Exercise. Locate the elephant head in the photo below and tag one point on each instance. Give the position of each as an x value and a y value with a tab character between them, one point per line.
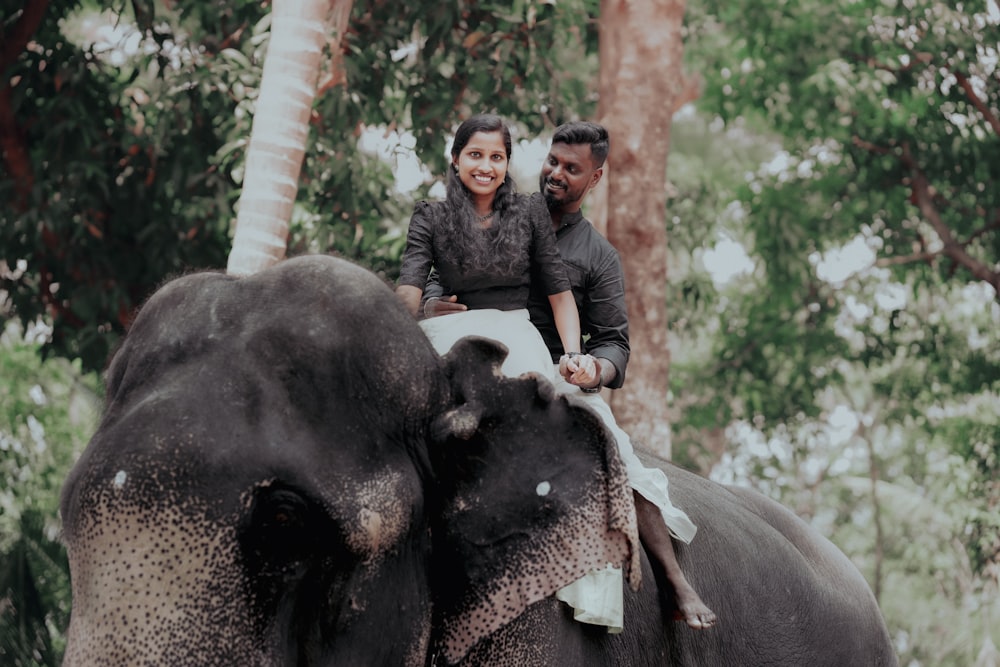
287	473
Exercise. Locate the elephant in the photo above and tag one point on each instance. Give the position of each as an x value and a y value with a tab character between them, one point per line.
286	472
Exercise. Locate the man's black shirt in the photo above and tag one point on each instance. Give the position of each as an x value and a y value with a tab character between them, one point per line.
598	282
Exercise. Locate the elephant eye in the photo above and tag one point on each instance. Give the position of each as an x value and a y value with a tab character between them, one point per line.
284	530
287	542
281	510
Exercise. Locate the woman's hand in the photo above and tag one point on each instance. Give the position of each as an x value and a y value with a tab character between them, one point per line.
442	305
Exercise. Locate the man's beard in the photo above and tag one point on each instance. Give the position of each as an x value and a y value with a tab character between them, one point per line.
552	200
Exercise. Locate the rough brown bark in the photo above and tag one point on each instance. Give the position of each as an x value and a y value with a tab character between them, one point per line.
641	84
12	143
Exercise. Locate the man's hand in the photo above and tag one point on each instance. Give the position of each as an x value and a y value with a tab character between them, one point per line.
443	305
582	370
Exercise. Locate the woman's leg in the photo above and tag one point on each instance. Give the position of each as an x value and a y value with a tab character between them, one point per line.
656	520
656	538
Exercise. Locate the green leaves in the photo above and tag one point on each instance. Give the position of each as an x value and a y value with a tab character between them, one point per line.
34	577
47	411
885	115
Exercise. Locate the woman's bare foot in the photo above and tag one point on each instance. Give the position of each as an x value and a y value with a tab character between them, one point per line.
655	536
691	609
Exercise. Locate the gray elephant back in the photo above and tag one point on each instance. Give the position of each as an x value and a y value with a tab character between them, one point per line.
783	592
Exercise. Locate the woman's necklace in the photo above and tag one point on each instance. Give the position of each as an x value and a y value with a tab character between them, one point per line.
483	218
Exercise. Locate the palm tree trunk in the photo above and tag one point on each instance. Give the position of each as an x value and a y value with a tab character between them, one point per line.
299	31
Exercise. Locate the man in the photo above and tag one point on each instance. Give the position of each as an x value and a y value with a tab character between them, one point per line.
574	165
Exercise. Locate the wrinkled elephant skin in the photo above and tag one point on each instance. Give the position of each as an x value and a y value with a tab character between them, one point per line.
286	473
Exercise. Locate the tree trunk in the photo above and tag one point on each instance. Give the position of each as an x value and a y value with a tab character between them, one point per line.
13	145
300	29
642	83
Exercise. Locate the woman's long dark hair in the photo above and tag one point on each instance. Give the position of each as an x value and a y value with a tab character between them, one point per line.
497	247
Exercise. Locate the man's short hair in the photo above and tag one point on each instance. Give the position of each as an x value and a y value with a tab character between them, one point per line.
584	132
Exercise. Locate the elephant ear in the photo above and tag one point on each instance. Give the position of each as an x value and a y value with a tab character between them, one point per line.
533	495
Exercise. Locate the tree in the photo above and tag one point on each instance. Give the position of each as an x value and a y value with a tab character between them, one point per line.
890	112
299	32
869	121
885	114
642	84
114	174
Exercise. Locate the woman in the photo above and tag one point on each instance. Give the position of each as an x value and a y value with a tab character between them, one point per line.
487	244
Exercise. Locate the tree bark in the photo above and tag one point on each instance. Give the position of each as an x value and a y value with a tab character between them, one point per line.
13	146
641	85
299	31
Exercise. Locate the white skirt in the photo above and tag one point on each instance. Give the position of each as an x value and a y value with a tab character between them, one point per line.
527	351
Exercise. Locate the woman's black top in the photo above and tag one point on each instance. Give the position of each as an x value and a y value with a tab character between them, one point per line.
503	283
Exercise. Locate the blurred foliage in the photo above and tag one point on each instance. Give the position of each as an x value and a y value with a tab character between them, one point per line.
47	412
851	369
118	188
866	100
